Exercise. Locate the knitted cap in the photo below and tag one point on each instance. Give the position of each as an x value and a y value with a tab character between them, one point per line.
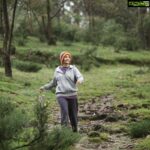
63	54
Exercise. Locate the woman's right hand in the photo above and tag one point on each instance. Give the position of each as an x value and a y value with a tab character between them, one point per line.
41	89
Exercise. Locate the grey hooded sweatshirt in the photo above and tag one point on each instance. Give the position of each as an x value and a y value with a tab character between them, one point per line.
65	83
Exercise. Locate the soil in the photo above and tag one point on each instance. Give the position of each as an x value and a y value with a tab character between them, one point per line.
98	116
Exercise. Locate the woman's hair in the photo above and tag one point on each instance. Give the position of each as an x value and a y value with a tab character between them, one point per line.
63	54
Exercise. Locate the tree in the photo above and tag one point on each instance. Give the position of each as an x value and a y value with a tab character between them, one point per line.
1	25
44	12
8	34
51	14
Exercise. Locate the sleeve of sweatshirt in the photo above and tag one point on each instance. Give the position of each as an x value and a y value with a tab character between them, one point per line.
51	84
78	75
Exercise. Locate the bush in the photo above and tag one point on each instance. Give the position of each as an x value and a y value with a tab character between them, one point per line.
94	35
61	139
12	122
22	31
13	50
57	139
120	44
80	35
21	41
140	129
111	31
131	43
26	66
88	59
65	32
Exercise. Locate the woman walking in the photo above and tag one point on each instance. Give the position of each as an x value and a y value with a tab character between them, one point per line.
66	77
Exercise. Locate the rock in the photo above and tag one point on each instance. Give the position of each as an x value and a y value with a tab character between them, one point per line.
99	116
113	118
122	106
146	105
94	134
86	106
98	127
95	140
84	117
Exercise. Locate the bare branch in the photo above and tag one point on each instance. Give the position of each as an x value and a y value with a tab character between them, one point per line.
59	9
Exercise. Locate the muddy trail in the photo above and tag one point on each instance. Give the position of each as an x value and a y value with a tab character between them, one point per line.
102	125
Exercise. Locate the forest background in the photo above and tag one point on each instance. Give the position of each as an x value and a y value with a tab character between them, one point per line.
110	43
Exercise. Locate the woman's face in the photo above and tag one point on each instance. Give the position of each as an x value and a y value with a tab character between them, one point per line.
67	59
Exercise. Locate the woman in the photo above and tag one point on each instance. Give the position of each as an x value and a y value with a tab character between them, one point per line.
66	77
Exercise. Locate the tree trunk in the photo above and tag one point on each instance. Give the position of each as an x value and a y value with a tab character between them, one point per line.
49	35
44	29
1	18
8	34
29	15
89	6
141	13
12	25
6	51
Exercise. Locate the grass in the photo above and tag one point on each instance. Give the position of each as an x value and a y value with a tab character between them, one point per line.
127	83
34	44
143	144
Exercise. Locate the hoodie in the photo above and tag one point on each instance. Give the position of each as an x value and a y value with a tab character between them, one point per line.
65	82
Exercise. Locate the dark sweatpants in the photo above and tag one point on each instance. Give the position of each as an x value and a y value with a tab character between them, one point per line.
69	108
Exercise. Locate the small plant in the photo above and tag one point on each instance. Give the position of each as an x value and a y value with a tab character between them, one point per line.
56	139
104	136
140	129
27	66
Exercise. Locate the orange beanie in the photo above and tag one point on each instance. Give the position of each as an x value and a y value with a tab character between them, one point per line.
63	54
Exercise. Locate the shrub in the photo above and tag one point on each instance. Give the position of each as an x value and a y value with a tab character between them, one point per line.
111	31
21	30
66	32
67	43
80	35
61	139
56	139
88	59
131	43
21	41
140	129
94	35
13	50
27	66
120	44
12	122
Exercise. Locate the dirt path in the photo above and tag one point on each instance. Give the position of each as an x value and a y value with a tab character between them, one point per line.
98	116
102	126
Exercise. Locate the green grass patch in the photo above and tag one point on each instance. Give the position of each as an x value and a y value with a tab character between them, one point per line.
143	144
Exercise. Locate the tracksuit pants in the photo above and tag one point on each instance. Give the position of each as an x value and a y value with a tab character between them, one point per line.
69	109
